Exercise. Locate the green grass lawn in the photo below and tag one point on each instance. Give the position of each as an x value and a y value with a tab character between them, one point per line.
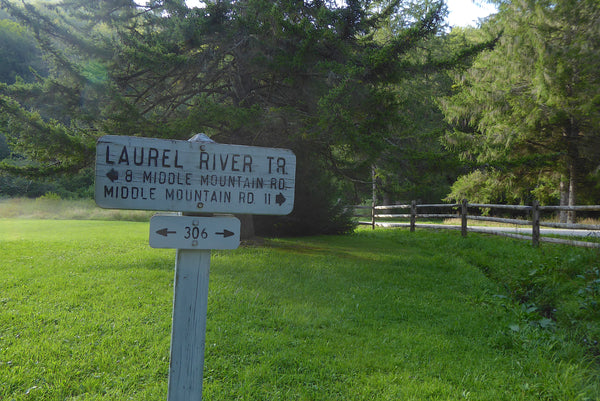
85	314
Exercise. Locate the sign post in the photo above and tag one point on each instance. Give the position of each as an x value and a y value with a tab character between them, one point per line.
188	333
194	177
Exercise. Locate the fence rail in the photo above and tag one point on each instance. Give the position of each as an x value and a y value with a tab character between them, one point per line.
461	211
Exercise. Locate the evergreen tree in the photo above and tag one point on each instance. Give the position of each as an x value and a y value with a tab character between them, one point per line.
415	164
305	75
526	113
18	52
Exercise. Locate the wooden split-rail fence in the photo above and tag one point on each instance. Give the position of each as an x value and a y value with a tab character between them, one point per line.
462	211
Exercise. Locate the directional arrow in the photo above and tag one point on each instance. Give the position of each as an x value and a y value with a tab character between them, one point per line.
113	175
226	233
280	199
165	232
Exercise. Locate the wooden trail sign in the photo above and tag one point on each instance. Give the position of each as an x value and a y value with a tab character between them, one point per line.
195	177
183	176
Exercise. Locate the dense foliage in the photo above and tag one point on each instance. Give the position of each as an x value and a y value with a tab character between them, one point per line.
19	53
310	76
353	89
527	113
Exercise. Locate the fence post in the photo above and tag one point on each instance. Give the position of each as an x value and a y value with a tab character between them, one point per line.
413	215
463	218
535	223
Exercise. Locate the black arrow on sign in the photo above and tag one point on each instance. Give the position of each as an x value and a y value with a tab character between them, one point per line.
226	233
165	231
113	175
280	199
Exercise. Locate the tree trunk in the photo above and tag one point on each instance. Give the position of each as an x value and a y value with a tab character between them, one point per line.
247	226
568	192
572	159
374	200
386	201
572	193
564	198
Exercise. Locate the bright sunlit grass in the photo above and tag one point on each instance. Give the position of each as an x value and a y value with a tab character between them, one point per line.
85	314
50	208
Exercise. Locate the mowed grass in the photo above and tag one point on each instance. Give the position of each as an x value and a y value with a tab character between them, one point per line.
52	207
85	314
